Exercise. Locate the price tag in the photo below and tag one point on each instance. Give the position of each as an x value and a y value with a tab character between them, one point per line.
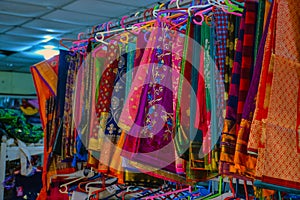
112	189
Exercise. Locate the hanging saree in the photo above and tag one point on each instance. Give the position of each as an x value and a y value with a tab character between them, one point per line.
142	58
154	123
65	61
247	57
279	129
228	139
45	80
263	91
230	48
69	136
182	113
102	106
244	162
112	131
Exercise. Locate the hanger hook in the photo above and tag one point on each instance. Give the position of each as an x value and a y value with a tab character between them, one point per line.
122	21
108	24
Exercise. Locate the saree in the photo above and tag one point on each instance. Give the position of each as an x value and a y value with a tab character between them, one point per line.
69	132
279	136
230	47
247	57
65	62
109	161
154	123
182	113
45	81
263	88
141	62
228	137
245	162
103	102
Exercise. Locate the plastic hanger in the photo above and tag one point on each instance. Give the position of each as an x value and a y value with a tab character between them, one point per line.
169	193
132	190
173	1
199	192
232	7
241	4
177	3
95	194
102	34
200	14
81	174
197	7
106	181
211	196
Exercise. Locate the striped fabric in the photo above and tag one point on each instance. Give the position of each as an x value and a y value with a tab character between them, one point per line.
247	56
243	161
228	140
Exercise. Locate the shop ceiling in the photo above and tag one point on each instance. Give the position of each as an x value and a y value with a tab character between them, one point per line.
29	25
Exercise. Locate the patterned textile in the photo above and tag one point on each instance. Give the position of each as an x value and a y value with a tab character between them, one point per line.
263	93
69	136
141	65
279	131
131	51
130	111
102	106
247	56
112	131
198	87
177	51
230	48
45	80
221	24
228	140
244	162
154	123
65	61
182	119
220	19
14	123
280	127
259	26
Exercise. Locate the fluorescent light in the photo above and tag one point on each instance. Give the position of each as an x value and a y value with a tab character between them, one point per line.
47	53
47	38
49	47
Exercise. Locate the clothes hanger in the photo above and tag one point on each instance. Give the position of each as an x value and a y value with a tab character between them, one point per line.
200	14
81	185
177	3
197	7
173	1
64	187
241	4
211	196
232	7
95	194
108	181
102	34
169	193
133	191
200	191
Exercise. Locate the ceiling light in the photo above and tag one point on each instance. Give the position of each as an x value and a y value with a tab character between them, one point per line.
47	38
49	47
47	53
